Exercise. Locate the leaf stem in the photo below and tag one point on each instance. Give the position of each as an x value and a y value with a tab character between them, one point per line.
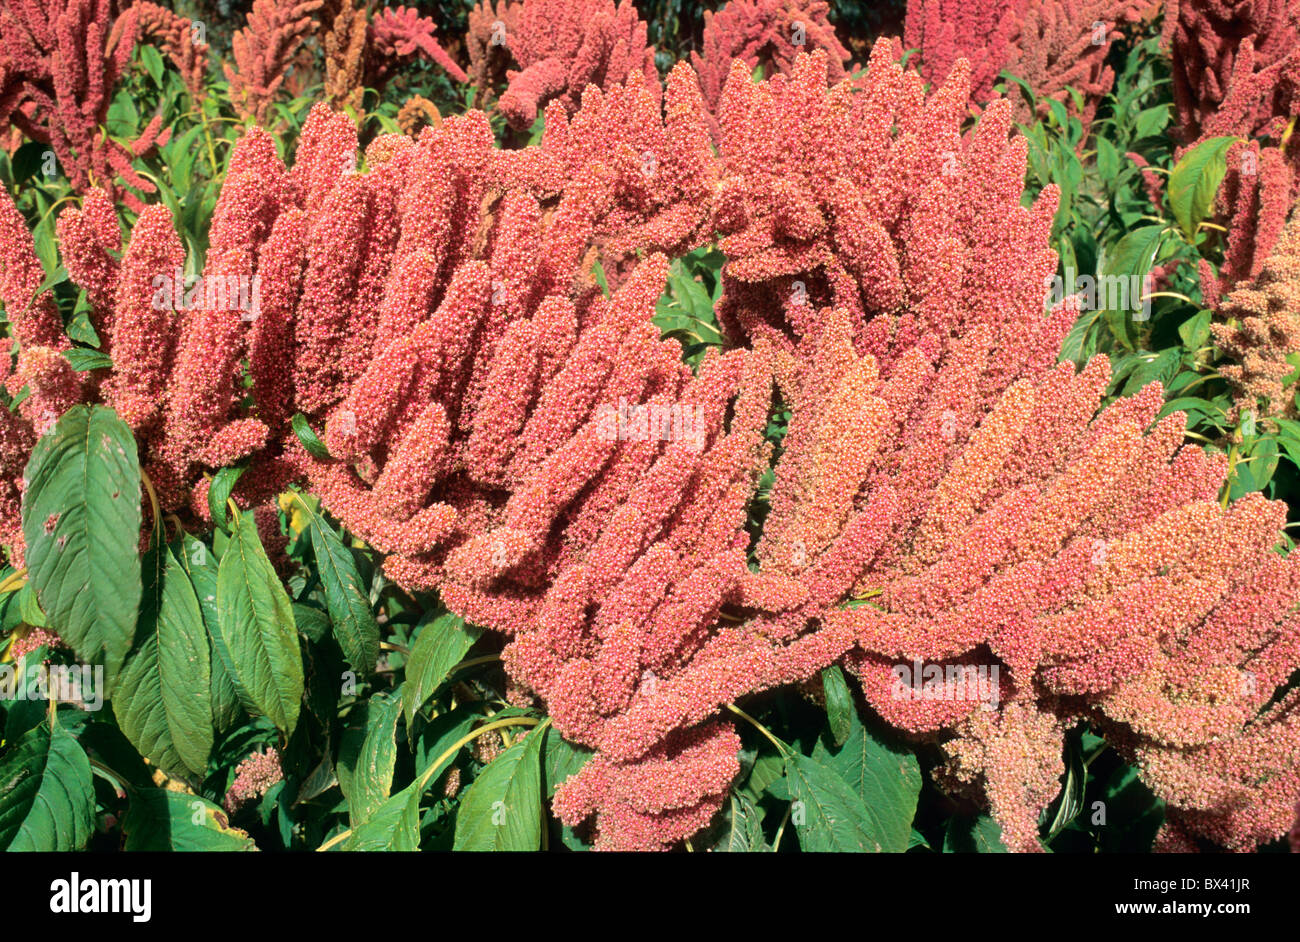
14	581
780	746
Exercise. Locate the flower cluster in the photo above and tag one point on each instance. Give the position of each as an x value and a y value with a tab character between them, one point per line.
263	50
945	492
175	37
487	40
1260	328
362	53
963	494
765	34
1054	45
869	197
254	776
59	63
1236	65
562	46
649	175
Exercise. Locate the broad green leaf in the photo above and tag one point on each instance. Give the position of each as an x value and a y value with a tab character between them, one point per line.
83	359
372	776
745	829
1124	279
153	63
346	595
980	835
440	646
827	813
561	760
308	437
223	482
1151	121
162	696
201	566
888	782
394	826
313	624
1195	180
442	733
257	639
81	521
502	810
1195	331
840	712
47	796
159	819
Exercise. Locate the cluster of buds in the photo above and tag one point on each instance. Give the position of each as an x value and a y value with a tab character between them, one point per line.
1236	66
949	496
562	46
1258	327
1054	45
363	52
181	40
59	63
254	777
489	27
263	51
521	441
766	34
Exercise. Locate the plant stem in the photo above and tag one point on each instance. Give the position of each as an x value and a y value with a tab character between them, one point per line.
780	746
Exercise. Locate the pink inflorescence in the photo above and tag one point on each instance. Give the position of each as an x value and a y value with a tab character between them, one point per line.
59	63
562	46
254	776
765	34
949	495
1053	45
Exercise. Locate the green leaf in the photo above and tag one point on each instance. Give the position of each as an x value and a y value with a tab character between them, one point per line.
47	796
561	760
394	825
827	813
310	440
1124	279
887	780
83	359
371	780
201	566
840	712
346	595
1108	160
1151	121
153	63
159	819
745	832
1195	180
502	810
1076	778
81	521
162	697
1195	331
223	482
257	639
313	624
980	835
439	647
